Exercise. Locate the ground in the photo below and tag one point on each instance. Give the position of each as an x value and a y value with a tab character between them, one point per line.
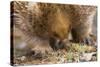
75	53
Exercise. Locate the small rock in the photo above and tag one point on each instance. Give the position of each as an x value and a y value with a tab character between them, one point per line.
86	56
22	58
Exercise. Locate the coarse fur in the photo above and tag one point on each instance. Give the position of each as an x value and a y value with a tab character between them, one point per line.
47	25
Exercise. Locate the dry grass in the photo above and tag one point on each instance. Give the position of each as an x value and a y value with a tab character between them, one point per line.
75	53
